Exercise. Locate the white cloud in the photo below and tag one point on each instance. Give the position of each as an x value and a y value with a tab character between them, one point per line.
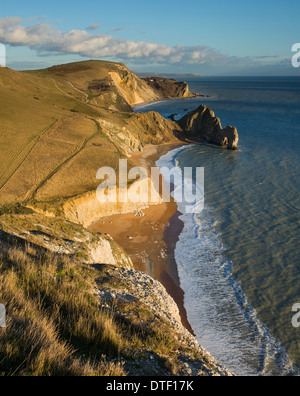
45	39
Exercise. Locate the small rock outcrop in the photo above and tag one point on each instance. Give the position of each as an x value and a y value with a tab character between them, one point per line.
203	124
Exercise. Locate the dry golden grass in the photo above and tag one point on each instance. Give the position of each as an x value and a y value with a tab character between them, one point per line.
51	142
53	319
56	327
30	108
77	173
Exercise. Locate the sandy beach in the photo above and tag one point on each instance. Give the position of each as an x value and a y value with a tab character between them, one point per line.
150	240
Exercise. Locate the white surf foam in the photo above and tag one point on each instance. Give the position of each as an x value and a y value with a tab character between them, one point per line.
218	309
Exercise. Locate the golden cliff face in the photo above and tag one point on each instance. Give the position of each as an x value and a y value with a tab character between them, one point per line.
88	209
134	90
169	88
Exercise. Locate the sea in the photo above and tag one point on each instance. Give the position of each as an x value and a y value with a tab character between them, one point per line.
238	259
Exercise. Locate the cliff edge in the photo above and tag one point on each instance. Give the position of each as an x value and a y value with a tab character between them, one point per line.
169	88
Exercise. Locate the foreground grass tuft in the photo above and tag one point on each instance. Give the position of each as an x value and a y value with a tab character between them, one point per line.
58	326
54	324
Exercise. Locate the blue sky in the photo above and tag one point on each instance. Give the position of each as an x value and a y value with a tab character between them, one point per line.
214	37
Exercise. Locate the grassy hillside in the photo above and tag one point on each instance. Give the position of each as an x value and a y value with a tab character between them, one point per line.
49	311
60	125
101	84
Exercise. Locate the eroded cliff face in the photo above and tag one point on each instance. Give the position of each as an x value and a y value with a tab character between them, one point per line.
136	289
134	90
169	88
125	89
203	124
63	237
138	130
87	209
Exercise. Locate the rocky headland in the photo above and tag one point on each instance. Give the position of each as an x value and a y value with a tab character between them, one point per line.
169	88
203	125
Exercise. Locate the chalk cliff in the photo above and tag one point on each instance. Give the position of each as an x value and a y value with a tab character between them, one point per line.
169	88
87	209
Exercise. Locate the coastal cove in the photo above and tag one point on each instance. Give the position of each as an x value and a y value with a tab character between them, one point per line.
150	240
124	320
149	191
171	288
238	258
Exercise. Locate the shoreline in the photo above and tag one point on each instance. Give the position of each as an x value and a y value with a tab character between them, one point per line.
150	240
136	107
